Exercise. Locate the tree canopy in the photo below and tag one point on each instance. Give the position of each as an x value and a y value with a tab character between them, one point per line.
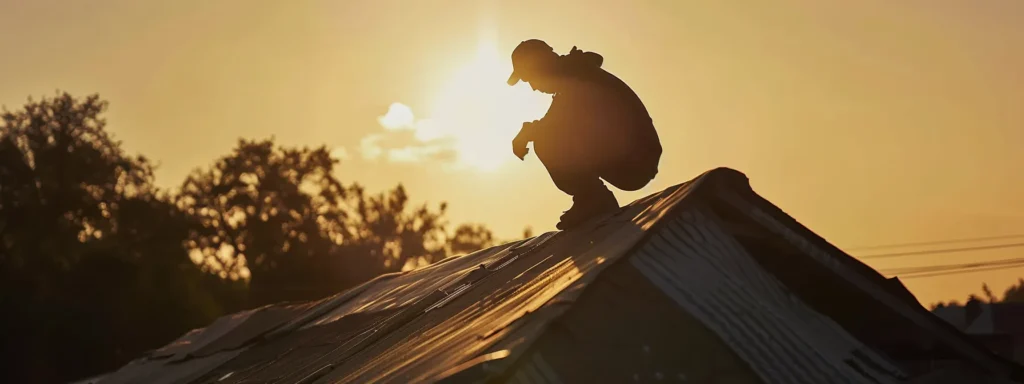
1013	294
98	264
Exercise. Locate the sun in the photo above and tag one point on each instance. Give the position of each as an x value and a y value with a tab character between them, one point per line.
480	112
474	116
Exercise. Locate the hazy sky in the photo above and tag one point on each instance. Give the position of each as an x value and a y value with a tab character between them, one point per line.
872	122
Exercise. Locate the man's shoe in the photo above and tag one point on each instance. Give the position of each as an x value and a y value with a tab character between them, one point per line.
587	207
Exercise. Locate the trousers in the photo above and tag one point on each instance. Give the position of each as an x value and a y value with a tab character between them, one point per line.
578	161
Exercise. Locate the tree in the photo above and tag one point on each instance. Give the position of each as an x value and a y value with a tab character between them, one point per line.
268	215
527	232
61	176
989	296
97	264
278	218
388	231
1015	293
469	238
92	269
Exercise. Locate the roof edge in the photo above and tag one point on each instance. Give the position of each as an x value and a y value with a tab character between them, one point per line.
731	181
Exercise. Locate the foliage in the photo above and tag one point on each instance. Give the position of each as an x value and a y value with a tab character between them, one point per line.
270	214
97	264
469	238
1013	294
90	254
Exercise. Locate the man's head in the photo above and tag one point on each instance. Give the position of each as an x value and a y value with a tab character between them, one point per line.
534	62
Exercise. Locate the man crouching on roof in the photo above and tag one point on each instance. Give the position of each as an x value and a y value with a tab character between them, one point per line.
596	128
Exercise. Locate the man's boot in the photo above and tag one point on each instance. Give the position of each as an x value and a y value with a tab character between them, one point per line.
586	206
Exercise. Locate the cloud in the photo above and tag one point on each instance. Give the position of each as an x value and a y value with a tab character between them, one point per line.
340	153
427	130
414	154
369	147
405	139
406	147
399	116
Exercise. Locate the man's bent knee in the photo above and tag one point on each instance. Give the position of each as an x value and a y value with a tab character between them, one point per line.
630	181
632	175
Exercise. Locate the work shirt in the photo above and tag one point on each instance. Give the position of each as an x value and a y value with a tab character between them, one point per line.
597	110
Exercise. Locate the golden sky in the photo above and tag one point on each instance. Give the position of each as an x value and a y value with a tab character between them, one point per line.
872	122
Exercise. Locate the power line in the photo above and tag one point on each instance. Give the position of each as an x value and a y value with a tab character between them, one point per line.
937	242
950	267
944	250
958	272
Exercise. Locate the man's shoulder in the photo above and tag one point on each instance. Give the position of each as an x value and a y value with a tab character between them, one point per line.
597	80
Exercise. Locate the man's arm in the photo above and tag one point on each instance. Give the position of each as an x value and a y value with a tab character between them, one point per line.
556	116
529	130
524	137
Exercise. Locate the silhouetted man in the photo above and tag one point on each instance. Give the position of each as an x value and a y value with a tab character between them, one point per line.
596	128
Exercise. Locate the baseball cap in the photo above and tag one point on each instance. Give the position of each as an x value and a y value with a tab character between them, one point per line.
525	58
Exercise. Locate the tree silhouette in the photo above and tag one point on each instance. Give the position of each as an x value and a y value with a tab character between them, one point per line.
60	178
1015	293
266	214
92	268
470	237
989	296
393	234
278	217
527	232
97	264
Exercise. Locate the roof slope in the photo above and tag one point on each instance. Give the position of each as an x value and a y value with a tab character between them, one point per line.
490	314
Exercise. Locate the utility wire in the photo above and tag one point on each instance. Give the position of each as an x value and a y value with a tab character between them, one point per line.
950	267
937	242
947	269
958	272
944	250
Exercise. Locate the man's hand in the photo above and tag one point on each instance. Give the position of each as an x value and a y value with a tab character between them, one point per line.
519	147
522	139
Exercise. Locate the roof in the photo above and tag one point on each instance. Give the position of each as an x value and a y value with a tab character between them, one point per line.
1008	318
991	318
706	269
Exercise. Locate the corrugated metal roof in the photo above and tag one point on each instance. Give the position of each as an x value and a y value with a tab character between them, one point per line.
1008	318
445	314
481	312
407	288
624	329
204	349
165	371
862	277
502	304
707	272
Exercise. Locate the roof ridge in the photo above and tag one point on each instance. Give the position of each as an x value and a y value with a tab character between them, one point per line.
672	196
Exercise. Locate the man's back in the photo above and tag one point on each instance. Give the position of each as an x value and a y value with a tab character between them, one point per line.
593	101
